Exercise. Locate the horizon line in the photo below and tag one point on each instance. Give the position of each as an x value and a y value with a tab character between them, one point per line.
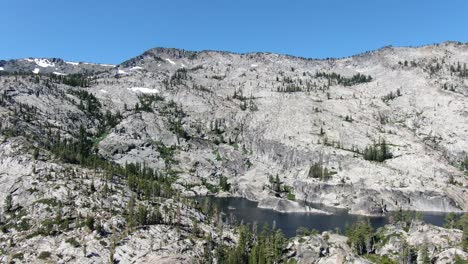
254	52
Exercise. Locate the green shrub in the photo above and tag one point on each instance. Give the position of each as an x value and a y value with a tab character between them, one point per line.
44	255
72	241
19	256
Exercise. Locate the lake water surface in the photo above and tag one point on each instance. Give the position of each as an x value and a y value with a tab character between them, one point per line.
246	211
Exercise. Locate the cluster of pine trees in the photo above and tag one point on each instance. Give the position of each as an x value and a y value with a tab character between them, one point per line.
290	88
88	103
377	151
146	102
265	247
391	95
146	182
176	79
341	80
76	80
319	171
140	215
245	102
281	189
407	64
361	237
460	70
458	221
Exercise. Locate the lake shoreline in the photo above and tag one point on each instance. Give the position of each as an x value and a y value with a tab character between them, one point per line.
243	210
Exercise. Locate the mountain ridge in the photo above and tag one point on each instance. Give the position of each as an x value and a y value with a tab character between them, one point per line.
165	50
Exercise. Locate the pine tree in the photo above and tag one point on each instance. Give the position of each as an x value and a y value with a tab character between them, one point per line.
465	237
8	203
277	184
142	215
424	254
90	222
131	212
36	153
361	237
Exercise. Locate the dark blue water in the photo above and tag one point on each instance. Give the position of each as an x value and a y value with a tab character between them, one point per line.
246	211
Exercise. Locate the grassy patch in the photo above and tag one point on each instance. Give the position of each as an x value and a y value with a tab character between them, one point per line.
48	201
380	259
291	196
19	256
100	138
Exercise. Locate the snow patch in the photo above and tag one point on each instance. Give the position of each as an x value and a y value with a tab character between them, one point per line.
170	61
253	65
1	69
143	90
72	63
104	65
121	72
183	66
29	60
103	91
136	68
44	63
59	73
36	70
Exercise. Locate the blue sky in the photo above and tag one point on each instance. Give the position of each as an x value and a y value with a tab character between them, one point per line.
111	31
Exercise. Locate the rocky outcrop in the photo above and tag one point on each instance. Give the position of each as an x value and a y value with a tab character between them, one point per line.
287	206
394	243
364	201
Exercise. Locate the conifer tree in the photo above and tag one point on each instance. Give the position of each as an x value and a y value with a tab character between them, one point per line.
8	203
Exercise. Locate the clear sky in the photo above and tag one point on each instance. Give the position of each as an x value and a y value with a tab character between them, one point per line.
111	31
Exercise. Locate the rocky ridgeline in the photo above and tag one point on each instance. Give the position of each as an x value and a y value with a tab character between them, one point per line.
396	245
377	132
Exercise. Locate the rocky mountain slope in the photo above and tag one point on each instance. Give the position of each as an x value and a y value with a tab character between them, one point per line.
251	117
271	115
376	132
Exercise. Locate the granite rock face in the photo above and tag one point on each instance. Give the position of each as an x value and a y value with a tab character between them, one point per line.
242	123
268	127
251	117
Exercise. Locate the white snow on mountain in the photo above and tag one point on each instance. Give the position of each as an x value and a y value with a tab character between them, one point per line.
72	63
36	70
136	68
119	71
143	90
104	65
59	73
170	61
1	69
44	63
